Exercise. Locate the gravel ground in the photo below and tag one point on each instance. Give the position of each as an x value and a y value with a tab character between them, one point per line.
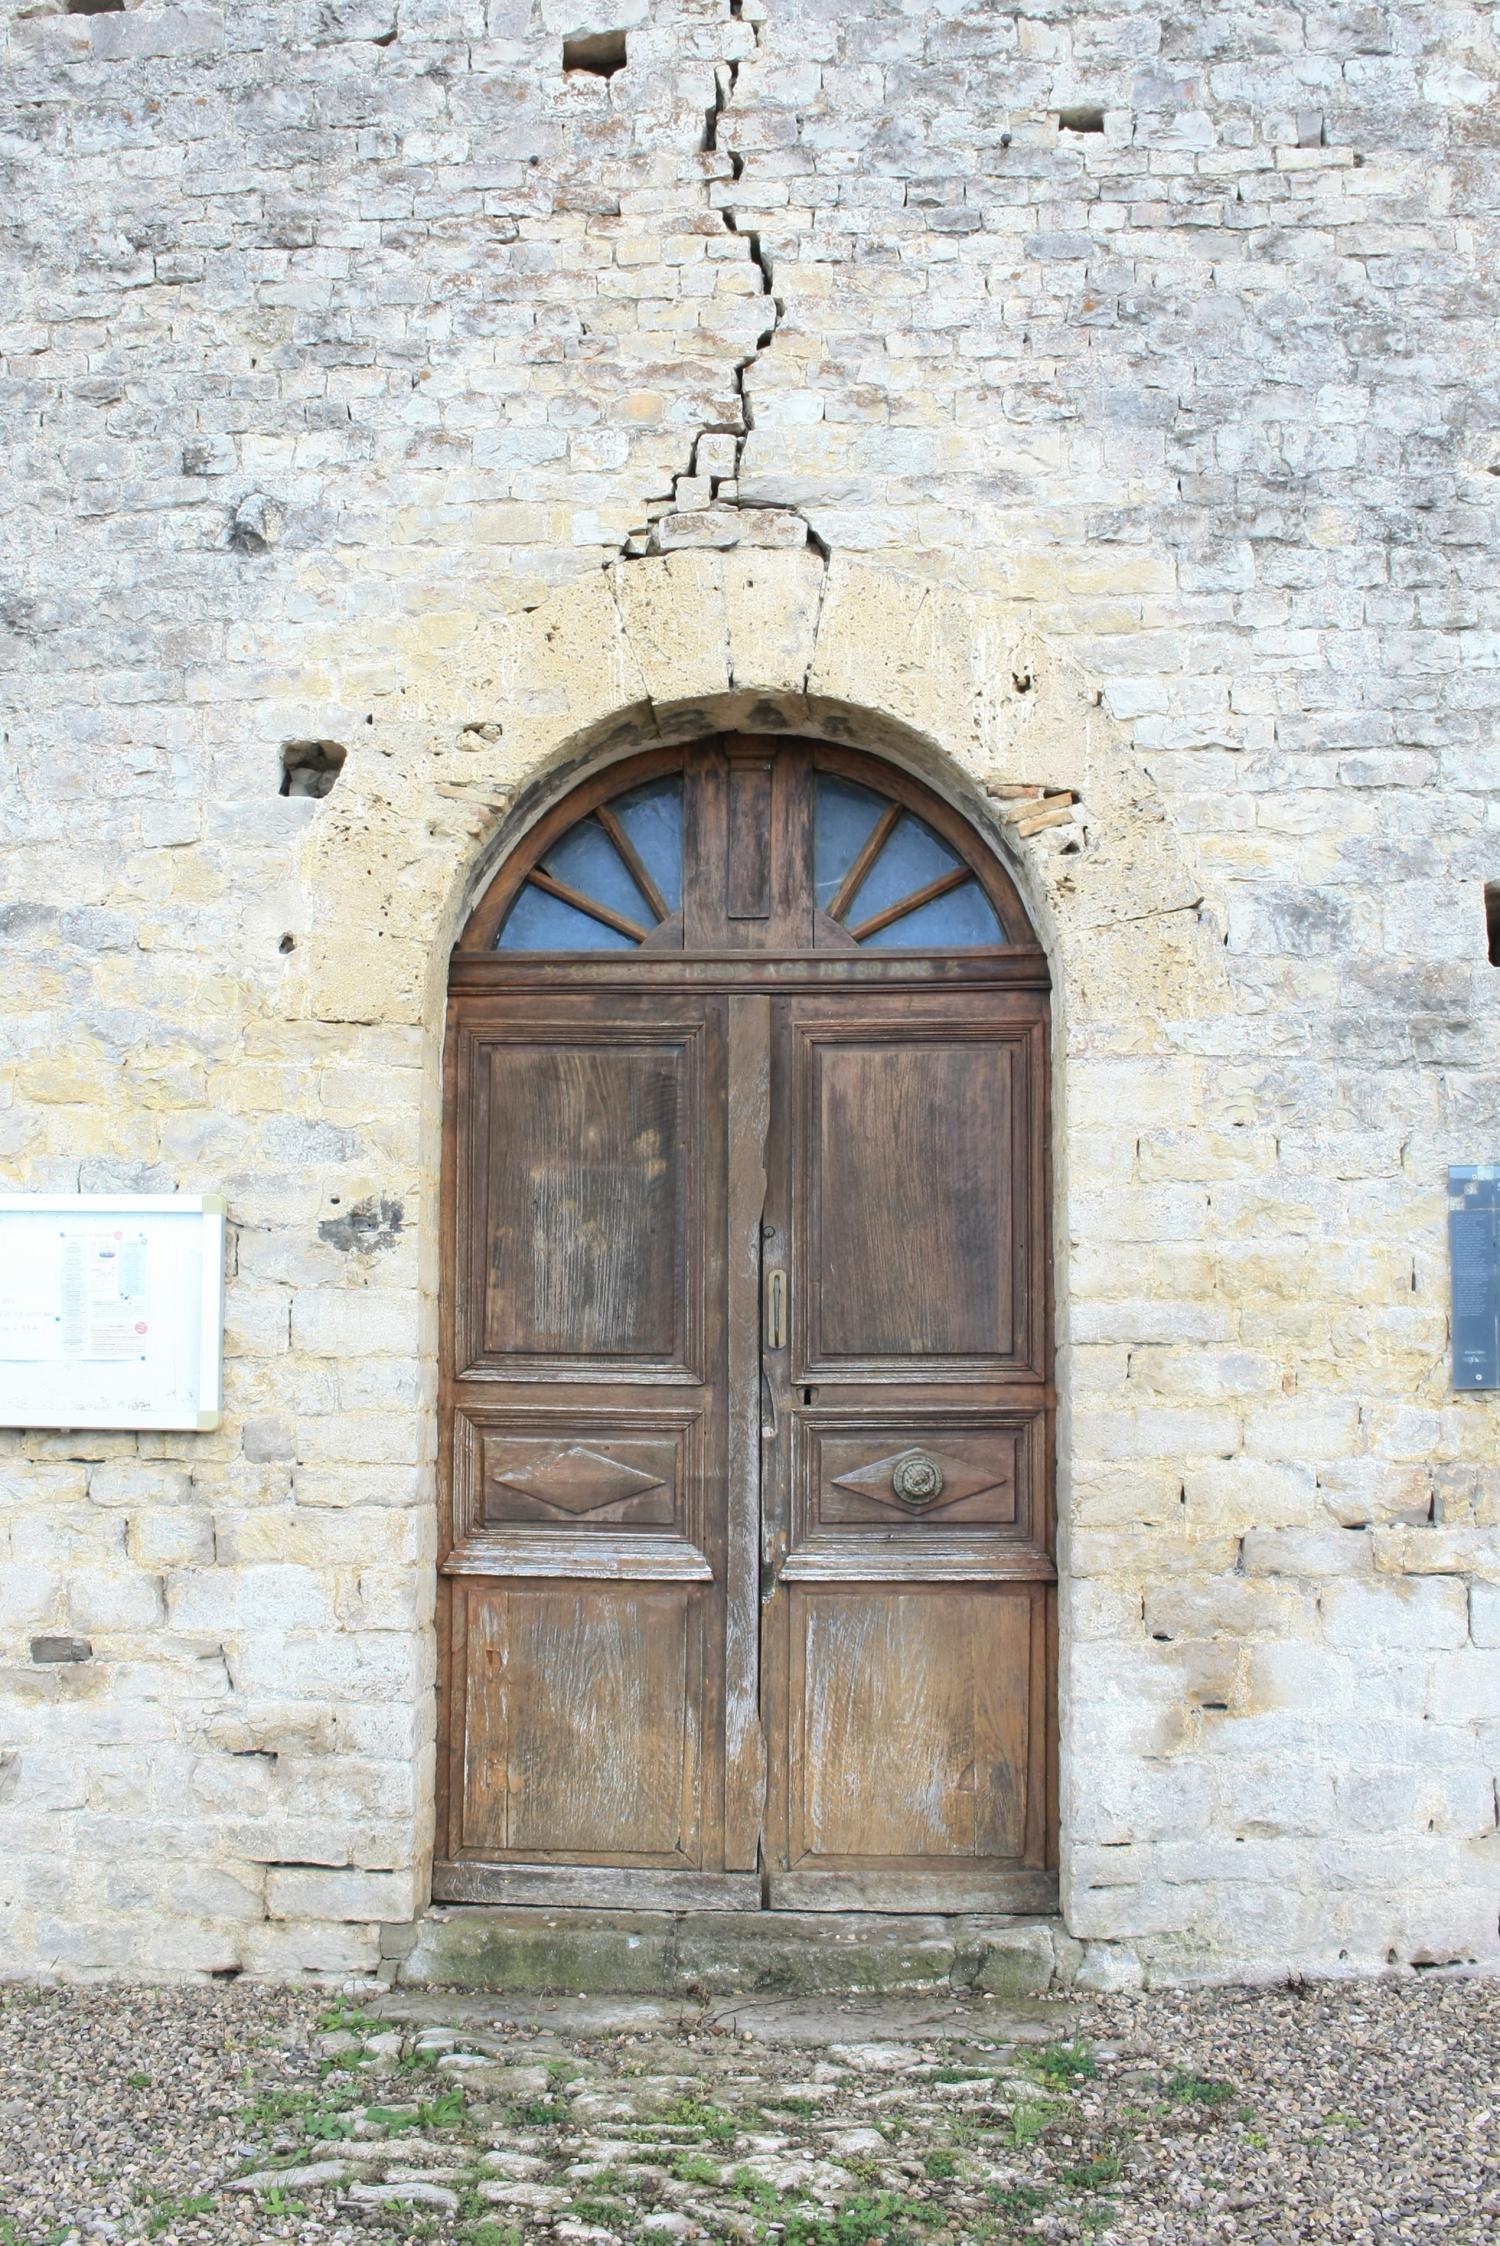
1353	2114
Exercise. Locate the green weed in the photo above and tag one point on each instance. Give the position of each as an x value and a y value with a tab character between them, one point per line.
877	2218
1019	2199
395	2117
939	2167
1184	2088
1063	2064
539	2113
310	2110
692	2113
757	2190
1093	2175
276	2202
443	2112
609	2212
694	2168
167	2211
328	2127
138	2081
1028	2122
352	2021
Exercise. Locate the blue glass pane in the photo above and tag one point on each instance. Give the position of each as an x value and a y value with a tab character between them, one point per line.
912	857
843	817
587	860
964	917
537	922
652	818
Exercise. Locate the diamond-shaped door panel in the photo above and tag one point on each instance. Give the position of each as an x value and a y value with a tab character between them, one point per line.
578	1480
528	1479
919	1480
965	1475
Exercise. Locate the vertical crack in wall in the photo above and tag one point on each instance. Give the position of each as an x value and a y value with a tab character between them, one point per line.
703	508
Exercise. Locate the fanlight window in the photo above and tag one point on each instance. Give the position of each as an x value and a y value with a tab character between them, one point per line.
883	875
607	882
879	873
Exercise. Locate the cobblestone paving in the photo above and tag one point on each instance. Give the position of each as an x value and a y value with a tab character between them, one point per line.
1350	2114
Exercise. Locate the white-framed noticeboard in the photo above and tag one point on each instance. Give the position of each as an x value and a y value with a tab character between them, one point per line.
111	1309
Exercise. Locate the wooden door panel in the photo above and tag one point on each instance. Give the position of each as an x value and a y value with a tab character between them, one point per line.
581	1202
925	1490
909	1479
584	1548
581	1723
915	1209
593	1473
718	1594
913	1706
916	1756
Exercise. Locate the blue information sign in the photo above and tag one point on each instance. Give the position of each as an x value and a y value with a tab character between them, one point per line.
1474	1248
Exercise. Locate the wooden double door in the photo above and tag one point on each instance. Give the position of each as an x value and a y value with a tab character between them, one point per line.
747	1589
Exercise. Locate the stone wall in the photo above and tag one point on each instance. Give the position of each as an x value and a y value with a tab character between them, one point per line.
1097	401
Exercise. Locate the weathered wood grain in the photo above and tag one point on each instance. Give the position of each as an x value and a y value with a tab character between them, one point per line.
688	1624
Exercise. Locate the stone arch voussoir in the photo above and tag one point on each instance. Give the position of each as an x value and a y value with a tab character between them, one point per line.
953	683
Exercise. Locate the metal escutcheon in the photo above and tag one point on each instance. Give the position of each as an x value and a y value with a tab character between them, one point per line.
917	1480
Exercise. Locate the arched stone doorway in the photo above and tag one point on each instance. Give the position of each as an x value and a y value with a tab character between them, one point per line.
747	1578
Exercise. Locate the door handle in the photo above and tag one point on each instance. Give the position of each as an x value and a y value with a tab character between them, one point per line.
776	1301
768	1419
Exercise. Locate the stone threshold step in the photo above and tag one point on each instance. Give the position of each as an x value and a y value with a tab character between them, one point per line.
700	1955
971	2028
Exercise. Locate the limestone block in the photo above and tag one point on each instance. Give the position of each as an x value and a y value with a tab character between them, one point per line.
354	1321
1016	1961
565	667
1302	1431
1397	1616
898	645
1484	1614
302	1892
771	608
713	528
1109	1969
672	615
1433	1549
1306	1552
1229	1606
98	1599
774	527
371	1665
1464	1688
271	1728
286	1949
176	1539
267	1598
1035	718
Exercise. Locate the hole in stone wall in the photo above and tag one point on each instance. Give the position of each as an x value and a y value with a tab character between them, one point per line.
310	767
96	7
1080	120
1492	919
600	53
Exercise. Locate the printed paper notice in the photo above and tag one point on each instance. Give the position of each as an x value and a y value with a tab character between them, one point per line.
74	1295
104	1295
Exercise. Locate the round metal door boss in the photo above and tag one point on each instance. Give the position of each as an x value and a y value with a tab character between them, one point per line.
917	1480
